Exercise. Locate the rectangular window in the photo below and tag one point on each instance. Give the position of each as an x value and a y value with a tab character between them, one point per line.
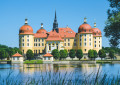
68	44
85	50
36	44
42	44
90	43
64	44
39	51
39	40
74	44
42	40
85	39
80	44
80	39
95	41
95	37
90	39
27	44
65	40
27	40
22	44
13	58
85	35
27	36
95	45
68	40
36	40
39	44
49	58
44	58
22	40
85	44
99	41
90	35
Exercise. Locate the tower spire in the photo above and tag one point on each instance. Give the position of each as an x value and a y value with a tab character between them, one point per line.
26	21
55	24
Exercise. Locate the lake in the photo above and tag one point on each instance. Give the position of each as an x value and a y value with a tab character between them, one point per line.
47	73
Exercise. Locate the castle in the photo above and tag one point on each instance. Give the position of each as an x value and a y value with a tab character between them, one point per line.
59	38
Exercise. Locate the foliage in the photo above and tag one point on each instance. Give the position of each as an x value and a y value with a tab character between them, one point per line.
9	51
33	62
29	54
63	54
90	54
102	53
107	49
95	53
111	54
2	54
79	54
72	53
55	53
112	28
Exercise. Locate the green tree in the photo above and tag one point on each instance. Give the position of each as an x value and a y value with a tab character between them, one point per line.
56	53
111	54
112	28
63	54
11	52
91	54
17	50
29	54
72	53
102	54
95	54
3	54
79	54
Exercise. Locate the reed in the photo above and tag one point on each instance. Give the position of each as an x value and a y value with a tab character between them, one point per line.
60	78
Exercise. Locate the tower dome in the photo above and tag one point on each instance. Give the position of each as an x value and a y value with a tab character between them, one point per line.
41	30
26	29
85	28
96	31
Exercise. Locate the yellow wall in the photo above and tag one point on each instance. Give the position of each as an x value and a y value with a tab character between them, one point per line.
98	42
61	44
23	39
41	47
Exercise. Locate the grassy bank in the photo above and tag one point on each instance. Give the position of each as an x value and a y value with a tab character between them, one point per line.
33	62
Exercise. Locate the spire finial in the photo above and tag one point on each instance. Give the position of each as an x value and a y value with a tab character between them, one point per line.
41	25
26	21
85	20
55	14
95	23
67	26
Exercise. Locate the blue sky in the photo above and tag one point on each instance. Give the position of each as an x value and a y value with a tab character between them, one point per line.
69	12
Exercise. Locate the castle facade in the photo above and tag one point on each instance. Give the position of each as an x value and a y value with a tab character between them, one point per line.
59	38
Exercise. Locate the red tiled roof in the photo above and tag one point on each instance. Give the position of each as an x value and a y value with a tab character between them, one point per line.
17	55
40	35
96	32
26	29
47	55
66	32
54	36
85	28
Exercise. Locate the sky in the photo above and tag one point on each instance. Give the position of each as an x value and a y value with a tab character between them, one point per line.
69	12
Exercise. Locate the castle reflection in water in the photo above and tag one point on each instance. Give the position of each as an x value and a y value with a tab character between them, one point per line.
32	68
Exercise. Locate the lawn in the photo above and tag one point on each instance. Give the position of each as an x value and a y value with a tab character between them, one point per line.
33	62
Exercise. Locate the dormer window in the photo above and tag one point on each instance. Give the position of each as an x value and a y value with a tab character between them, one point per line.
27	28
